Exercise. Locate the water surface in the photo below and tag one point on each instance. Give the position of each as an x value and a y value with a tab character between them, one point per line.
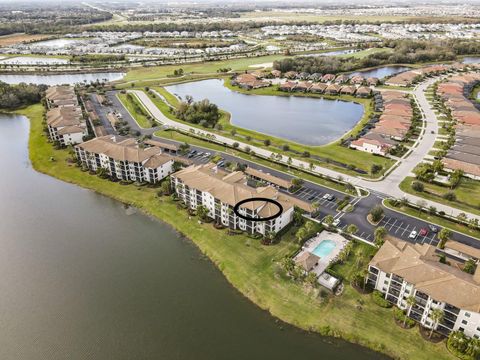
32	60
471	59
83	278
380	72
59	79
309	121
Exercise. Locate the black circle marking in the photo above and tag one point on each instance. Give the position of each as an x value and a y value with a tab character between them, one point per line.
248	218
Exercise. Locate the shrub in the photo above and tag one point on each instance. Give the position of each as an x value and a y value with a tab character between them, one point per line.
418	186
376	213
378	299
450	196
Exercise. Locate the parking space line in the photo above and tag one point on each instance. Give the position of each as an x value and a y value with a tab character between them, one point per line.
408	225
399	227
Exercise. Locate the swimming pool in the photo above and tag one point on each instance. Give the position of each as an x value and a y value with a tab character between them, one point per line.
324	248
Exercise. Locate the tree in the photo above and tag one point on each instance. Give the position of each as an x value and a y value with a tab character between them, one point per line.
165	188
301	234
233	132
380	234
311	279
328	220
235	144
444	235
267	142
469	266
376	213
462	217
285	147
418	186
410	303
352	229
288	264
315	206
455	178
375	169
202	212
297	182
289	161
450	196
436	315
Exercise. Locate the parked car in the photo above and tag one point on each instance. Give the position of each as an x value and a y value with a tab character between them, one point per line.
336	222
311	198
413	235
423	232
331	197
326	196
433	228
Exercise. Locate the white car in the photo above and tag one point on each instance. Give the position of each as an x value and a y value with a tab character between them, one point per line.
413	235
326	196
336	222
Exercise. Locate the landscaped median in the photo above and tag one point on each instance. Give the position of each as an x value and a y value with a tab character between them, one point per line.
250	267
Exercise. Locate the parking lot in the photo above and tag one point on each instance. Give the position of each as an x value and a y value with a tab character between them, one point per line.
200	158
311	195
402	230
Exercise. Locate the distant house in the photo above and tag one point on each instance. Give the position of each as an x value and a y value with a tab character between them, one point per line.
328	77
276	73
303	76
372	81
348	90
374	143
363	92
303	86
249	81
357	80
333	89
341	79
287	86
315	77
291	75
318	88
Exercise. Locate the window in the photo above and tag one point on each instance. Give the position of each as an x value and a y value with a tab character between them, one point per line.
467	314
464	322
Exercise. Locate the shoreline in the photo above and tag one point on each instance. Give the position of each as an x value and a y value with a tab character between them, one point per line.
160	209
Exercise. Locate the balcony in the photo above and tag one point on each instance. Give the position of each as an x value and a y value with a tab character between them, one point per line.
451	309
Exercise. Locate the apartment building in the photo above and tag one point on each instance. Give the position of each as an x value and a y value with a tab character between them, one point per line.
219	191
400	270
64	117
125	159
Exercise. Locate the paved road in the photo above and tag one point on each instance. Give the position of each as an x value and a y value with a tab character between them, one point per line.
397	224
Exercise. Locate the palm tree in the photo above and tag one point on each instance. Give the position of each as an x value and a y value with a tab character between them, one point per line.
380	233
410	303
352	229
436	315
329	220
312	279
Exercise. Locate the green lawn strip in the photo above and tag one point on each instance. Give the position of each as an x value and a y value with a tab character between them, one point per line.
435	219
139	117
249	266
333	151
173	135
155	72
467	193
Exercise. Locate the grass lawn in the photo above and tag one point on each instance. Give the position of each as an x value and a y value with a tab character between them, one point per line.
208	67
358	260
333	151
249	266
133	106
467	192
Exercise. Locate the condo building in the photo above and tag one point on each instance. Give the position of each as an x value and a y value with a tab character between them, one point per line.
219	191
125	159
400	270
64	117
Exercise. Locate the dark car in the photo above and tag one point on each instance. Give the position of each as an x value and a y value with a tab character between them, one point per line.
433	228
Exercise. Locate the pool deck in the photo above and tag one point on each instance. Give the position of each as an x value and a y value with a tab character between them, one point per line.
312	243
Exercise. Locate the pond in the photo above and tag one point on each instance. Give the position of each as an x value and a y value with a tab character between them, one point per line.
85	278
380	72
59	79
32	60
309	121
334	53
471	59
56	43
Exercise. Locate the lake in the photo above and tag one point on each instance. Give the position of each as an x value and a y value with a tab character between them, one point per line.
309	121
57	43
59	79
334	53
85	278
380	72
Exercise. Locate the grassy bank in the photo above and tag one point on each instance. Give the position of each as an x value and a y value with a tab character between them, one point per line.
249	266
467	193
136	109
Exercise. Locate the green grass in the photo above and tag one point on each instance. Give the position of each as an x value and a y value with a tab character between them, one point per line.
208	67
333	151
133	106
358	260
467	192
249	266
